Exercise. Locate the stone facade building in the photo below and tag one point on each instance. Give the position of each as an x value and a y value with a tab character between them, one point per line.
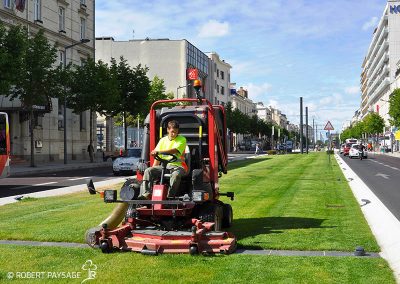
65	23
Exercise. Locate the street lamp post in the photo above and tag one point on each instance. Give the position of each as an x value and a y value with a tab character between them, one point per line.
391	129
82	41
180	87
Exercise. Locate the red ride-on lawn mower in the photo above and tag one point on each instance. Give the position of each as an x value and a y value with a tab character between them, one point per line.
191	222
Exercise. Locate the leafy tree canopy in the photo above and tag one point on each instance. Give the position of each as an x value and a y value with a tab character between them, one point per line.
394	108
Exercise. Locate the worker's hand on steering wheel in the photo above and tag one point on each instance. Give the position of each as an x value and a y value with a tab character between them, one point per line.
157	156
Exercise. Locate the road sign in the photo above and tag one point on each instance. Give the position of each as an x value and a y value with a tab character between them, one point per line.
192	73
328	126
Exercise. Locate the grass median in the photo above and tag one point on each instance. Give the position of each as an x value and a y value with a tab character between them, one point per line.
294	202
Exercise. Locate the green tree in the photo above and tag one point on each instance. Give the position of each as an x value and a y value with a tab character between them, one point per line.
133	88
373	123
358	129
13	43
394	108
36	79
92	88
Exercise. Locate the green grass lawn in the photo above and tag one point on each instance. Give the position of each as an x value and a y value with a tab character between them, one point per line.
136	268
296	202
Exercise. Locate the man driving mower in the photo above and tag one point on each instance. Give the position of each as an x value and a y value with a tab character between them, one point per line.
172	145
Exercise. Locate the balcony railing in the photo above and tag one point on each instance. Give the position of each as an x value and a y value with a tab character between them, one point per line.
384	82
382	49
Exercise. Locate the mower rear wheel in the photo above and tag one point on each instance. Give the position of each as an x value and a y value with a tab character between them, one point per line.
227	216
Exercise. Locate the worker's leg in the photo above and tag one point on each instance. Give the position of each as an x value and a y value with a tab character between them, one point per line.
175	180
150	174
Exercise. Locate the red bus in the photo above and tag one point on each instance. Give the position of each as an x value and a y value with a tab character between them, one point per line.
4	146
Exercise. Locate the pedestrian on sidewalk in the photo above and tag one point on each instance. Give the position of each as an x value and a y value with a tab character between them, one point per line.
90	150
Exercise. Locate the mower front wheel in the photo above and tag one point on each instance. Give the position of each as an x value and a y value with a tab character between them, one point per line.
227	216
193	250
211	212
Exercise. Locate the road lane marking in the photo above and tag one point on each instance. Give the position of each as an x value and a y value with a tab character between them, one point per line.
39	184
46	183
385	176
78	178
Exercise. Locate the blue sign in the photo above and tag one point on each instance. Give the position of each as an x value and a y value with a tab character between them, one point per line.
233	91
394	9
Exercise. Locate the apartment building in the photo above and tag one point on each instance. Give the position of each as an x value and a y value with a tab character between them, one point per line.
221	74
167	59
241	101
264	112
65	23
380	64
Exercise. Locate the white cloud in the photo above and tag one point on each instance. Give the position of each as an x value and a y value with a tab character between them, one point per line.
370	24
214	28
258	92
352	90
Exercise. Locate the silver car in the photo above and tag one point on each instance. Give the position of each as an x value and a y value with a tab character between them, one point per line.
355	152
127	164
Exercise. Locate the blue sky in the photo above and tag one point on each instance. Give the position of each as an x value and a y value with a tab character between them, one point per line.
279	50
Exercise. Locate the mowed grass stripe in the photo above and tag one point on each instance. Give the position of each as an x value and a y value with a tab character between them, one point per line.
296	202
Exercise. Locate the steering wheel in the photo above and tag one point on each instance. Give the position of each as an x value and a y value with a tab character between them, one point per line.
158	158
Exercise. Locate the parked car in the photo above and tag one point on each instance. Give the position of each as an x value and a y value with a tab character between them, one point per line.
341	151
355	150
346	149
127	164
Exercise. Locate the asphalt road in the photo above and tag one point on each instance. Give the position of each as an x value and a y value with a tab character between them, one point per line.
381	174
47	181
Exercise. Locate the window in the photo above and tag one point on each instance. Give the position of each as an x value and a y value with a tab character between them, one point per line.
83	2
83	61
38	121
60	115
222	90
217	73
37	10
61	57
222	75
83	28
82	121
215	81
61	19
7	4
217	88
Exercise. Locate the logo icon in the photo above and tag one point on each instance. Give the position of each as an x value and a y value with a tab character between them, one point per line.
192	73
91	268
10	275
394	9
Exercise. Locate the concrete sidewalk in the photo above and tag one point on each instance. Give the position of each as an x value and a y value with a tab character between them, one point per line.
394	154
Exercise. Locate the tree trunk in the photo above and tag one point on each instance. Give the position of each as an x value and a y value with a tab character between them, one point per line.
31	121
125	131
91	128
91	149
